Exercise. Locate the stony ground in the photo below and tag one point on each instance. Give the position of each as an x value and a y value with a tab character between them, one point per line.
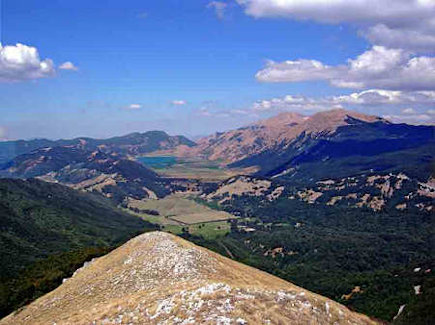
158	278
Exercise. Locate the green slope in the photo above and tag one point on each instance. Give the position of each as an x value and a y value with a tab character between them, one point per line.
47	231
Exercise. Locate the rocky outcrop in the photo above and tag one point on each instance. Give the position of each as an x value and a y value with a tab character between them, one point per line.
157	278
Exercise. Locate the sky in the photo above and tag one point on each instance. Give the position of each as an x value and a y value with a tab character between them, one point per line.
194	67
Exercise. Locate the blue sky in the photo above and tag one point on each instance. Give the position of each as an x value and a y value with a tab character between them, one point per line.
133	58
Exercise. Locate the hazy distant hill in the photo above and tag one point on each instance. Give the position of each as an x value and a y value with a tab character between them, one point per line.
132	144
57	226
157	278
112	174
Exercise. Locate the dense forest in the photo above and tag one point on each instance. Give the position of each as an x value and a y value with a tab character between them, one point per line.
47	231
369	261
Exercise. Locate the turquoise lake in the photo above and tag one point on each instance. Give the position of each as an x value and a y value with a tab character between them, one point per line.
158	162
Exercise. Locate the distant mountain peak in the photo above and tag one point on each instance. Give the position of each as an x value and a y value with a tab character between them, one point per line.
343	114
280	129
283	118
159	278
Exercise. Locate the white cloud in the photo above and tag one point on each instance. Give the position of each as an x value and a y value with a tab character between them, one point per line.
411	119
336	11
179	102
235	114
219	8
294	71
21	62
241	111
415	39
68	65
369	100
386	97
378	67
133	107
296	103
406	24
408	111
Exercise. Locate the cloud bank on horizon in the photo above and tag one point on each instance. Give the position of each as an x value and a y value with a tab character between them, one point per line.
394	71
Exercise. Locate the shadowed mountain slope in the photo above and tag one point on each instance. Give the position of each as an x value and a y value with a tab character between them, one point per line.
112	174
275	132
330	144
356	148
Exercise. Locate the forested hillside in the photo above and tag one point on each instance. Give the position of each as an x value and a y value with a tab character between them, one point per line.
371	260
48	230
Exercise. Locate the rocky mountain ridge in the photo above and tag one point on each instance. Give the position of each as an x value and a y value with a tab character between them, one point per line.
279	130
157	278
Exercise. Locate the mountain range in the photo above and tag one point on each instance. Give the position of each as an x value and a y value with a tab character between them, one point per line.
339	202
130	144
334	143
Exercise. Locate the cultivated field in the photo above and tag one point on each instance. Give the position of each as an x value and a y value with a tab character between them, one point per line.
178	213
179	210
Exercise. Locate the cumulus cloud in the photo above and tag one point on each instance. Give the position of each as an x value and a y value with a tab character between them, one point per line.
179	102
68	65
219	8
389	97
373	99
379	67
21	62
406	24
411	118
336	11
295	103
415	39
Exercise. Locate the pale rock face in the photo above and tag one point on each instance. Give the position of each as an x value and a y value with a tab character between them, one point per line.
158	278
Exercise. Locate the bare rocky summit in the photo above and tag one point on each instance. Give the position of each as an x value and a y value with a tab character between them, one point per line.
282	129
158	278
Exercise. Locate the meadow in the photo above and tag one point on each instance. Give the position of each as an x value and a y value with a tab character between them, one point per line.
179	214
189	168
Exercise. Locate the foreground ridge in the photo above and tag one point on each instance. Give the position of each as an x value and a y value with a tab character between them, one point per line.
158	278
